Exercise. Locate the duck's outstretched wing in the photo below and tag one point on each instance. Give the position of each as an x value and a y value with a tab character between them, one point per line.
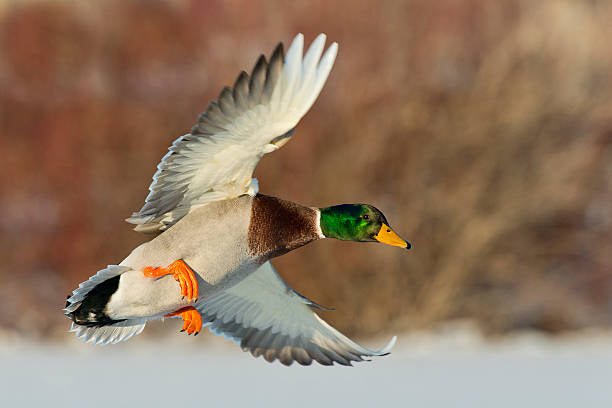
270	319
257	116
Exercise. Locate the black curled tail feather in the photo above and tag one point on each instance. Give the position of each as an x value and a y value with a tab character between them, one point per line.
91	311
87	304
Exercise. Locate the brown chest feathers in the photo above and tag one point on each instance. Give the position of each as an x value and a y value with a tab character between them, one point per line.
278	226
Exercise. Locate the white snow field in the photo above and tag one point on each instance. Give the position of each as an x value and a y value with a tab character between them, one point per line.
453	368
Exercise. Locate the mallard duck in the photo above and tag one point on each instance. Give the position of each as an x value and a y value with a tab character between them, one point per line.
208	261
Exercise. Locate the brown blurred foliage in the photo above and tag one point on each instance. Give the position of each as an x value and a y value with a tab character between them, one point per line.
483	130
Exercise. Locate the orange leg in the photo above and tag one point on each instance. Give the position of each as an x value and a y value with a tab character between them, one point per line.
192	320
183	275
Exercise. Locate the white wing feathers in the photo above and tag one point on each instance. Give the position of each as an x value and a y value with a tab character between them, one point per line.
216	160
269	318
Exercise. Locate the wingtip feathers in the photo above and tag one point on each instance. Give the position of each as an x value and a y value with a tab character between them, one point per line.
277	93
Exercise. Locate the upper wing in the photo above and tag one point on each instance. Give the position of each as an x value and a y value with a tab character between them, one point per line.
269	318
216	160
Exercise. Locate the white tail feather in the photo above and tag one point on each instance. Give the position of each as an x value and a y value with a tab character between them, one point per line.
110	334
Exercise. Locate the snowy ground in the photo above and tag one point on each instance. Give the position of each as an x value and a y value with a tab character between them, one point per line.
450	369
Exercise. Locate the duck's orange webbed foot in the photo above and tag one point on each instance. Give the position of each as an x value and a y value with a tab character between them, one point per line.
183	275
192	320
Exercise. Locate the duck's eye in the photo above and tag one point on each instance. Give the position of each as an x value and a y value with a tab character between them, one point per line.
366	217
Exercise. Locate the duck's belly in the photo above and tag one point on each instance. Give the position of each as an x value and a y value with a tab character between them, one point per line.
211	240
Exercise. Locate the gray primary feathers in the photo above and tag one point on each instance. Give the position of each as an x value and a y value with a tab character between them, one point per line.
270	319
216	160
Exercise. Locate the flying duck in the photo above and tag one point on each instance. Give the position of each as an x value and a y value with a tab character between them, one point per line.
213	234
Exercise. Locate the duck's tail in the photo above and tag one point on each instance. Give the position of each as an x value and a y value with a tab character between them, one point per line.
109	334
86	308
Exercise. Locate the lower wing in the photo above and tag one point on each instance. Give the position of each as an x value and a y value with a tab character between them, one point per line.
269	318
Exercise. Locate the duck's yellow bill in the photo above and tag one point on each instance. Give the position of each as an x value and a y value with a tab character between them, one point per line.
387	236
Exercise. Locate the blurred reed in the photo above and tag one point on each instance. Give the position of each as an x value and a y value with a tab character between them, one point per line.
483	130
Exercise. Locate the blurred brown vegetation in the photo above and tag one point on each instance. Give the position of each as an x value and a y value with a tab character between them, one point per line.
483	130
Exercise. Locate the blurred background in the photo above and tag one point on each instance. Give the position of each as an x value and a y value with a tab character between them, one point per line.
483	131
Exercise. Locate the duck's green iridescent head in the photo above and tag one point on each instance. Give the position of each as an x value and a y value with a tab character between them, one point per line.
359	222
